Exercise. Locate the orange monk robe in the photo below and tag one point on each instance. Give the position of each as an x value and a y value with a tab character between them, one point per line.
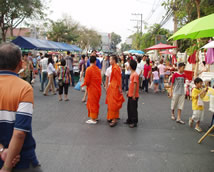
114	99
93	83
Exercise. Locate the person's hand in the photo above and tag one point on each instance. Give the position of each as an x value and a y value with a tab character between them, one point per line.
170	95
133	97
120	90
4	156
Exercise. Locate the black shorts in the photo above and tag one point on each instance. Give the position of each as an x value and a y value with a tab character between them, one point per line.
65	87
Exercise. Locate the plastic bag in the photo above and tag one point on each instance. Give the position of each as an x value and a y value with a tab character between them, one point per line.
78	86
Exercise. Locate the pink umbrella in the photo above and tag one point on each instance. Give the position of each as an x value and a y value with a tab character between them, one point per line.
160	47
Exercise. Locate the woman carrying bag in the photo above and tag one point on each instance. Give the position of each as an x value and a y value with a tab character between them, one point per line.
64	79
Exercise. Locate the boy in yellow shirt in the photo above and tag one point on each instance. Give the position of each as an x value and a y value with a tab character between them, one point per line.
197	105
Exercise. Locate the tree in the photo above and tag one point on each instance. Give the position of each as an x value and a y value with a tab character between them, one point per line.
125	47
63	31
14	12
115	40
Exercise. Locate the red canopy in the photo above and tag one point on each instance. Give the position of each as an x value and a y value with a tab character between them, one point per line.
166	52
161	46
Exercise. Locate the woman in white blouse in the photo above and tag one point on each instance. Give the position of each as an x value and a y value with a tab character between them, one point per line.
51	72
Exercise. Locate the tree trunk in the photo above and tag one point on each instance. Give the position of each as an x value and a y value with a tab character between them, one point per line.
197	2
3	35
175	43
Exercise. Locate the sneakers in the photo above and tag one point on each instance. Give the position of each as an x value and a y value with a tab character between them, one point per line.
190	122
90	121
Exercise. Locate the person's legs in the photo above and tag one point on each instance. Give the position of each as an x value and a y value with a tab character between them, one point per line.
52	84
72	77
40	79
60	92
30	169
174	103
85	95
48	86
123	80
66	91
134	114
180	104
127	82
143	84
42	82
147	85
128	121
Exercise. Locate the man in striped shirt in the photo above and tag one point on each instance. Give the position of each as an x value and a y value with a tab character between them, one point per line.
16	109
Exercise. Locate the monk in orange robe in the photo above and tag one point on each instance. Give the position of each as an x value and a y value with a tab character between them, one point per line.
93	83
114	97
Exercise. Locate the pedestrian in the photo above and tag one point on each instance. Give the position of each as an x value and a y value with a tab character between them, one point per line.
64	79
85	94
105	64
155	78
51	73
98	64
93	82
177	93
69	62
16	108
147	74
114	97
139	70
127	73
123	69
161	68
44	67
197	104
133	95
108	76
27	66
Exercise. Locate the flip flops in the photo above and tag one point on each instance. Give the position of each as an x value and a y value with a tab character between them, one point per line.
180	122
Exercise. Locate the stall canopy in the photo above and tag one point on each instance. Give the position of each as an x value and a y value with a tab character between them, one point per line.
38	44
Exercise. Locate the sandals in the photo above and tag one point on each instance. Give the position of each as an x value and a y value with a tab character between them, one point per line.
113	124
67	100
190	122
180	122
60	100
90	121
198	129
173	117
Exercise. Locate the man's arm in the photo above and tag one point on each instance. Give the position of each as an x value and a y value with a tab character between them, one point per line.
14	149
135	89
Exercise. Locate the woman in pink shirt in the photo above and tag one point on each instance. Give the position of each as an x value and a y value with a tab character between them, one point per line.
162	69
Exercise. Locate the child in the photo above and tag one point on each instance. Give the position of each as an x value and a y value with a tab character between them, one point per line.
133	95
177	93
155	76
197	107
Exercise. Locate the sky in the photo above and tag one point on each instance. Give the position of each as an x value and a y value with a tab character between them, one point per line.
110	15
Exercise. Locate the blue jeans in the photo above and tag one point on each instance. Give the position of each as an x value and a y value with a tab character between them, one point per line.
44	80
40	76
123	80
127	82
146	85
72	77
161	82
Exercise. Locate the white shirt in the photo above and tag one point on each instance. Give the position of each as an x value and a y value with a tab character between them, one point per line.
127	72
139	68
108	73
44	64
50	69
161	68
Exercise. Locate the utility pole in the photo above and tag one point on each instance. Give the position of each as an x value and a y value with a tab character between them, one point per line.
141	21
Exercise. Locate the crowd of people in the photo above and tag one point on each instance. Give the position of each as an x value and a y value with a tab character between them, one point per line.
120	76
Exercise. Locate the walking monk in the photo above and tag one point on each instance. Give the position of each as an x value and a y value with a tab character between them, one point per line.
93	83
114	97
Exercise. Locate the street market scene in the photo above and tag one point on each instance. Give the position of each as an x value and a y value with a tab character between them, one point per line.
107	86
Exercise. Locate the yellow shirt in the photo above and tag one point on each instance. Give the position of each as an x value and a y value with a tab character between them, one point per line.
195	93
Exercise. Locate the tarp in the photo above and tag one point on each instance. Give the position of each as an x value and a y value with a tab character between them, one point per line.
39	44
160	47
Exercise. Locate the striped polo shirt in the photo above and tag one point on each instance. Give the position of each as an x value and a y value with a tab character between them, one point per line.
16	109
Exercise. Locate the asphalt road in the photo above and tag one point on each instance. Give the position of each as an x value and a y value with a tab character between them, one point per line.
66	144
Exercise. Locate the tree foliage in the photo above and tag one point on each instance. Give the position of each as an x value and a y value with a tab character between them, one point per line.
14	12
115	40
